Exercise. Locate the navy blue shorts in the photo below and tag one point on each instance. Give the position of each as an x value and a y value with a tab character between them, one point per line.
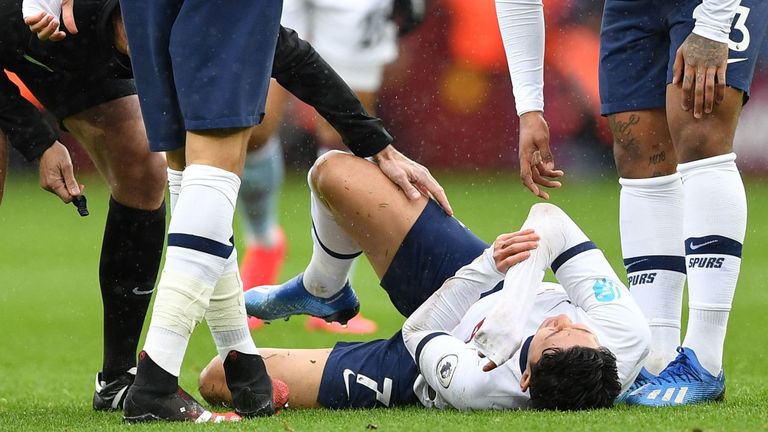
369	374
433	250
382	372
200	64
639	39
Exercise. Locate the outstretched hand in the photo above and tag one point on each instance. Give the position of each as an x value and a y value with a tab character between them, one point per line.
42	17
537	166
700	65
414	179
57	175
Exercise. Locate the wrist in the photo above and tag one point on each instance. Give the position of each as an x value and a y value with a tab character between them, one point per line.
387	153
712	33
531	116
45	150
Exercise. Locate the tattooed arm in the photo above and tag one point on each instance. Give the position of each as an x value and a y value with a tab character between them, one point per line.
701	60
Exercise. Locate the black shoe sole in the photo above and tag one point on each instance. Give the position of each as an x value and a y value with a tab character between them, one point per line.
144	418
343	316
265	411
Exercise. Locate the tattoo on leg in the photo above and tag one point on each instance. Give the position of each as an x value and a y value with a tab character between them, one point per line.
622	132
657	158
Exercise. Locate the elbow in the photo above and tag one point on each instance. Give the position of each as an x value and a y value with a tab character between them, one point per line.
547	220
409	328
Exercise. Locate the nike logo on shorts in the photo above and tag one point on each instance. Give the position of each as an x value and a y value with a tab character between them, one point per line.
347	374
737	60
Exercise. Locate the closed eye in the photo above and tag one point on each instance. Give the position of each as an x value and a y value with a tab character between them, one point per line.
572	328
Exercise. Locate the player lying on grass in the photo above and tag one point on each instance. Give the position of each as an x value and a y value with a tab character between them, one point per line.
97	102
575	345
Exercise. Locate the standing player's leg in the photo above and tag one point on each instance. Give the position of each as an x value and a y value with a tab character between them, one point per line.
715	219
650	222
218	109
714	211
113	134
650	210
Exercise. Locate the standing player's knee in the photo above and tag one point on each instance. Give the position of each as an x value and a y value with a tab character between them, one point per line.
696	143
642	146
710	136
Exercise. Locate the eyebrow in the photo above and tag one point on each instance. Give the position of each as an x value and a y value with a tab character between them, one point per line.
572	328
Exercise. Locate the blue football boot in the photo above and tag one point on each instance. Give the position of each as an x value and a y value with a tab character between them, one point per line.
643	378
683	382
291	298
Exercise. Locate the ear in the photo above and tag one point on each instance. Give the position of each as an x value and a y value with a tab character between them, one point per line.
525	379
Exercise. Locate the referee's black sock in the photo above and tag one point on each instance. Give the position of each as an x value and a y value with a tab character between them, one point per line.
130	259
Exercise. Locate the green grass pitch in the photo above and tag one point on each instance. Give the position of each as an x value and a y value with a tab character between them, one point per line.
50	316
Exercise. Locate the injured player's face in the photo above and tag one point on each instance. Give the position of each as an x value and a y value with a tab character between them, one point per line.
567	369
559	333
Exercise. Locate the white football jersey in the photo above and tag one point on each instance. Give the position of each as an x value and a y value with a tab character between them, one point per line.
451	369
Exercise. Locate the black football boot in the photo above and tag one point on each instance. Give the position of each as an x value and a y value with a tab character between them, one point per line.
250	385
156	396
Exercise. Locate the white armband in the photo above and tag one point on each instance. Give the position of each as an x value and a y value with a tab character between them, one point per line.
522	30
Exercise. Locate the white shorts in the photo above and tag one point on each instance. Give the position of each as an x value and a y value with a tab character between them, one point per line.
356	37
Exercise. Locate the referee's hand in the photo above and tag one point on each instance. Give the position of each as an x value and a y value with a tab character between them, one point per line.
57	175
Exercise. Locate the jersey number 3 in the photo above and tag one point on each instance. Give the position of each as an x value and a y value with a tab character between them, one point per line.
739	25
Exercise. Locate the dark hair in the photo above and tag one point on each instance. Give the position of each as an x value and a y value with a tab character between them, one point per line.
574	379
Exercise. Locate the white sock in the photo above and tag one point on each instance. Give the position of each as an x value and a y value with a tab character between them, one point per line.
714	226
333	252
226	315
174	186
199	243
164	346
651	223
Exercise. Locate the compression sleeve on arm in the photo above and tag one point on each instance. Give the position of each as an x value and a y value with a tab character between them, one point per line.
443	310
502	332
301	70
713	19
24	126
522	30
